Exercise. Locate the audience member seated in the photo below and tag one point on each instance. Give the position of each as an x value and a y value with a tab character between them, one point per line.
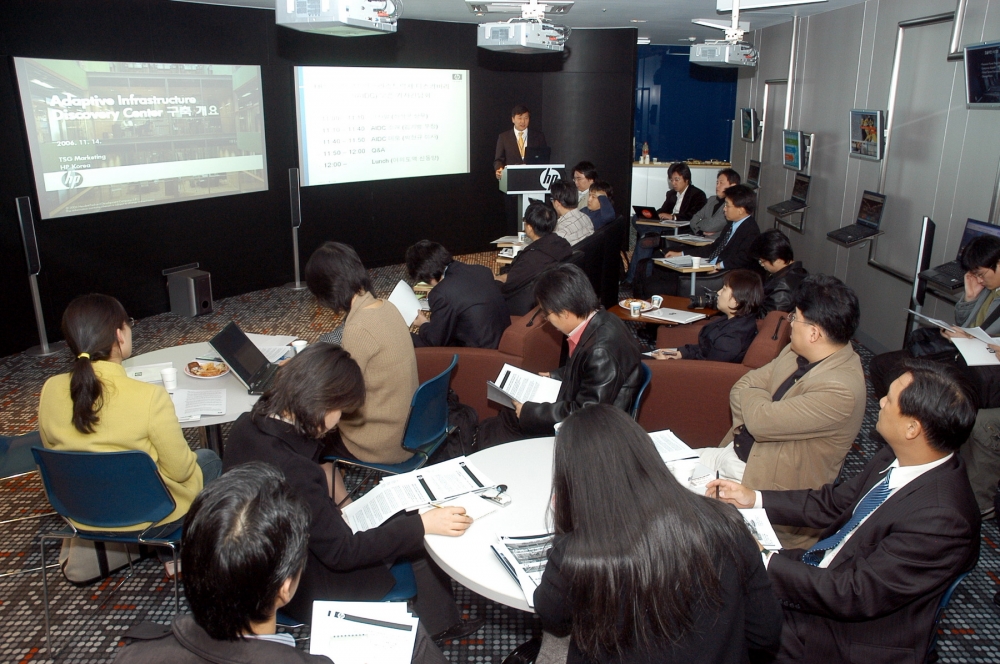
683	198
979	307
603	364
584	175
599	206
96	407
653	573
726	339
286	428
466	308
773	252
893	537
795	418
573	225
546	249
243	551
379	341
711	218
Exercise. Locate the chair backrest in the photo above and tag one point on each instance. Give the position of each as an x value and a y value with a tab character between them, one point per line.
942	605
534	340
428	419
104	489
773	334
15	454
647	375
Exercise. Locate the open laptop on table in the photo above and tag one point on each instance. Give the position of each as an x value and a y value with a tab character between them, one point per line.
753	174
247	362
950	275
645	213
869	219
800	192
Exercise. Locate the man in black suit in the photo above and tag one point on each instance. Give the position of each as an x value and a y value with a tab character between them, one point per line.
603	365
684	199
517	280
893	539
511	144
467	309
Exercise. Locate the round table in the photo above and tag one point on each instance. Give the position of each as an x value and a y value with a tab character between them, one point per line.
238	400
525	466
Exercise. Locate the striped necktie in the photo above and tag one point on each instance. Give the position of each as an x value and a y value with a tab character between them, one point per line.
726	232
868	504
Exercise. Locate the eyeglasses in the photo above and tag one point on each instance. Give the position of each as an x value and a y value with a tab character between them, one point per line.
792	318
131	322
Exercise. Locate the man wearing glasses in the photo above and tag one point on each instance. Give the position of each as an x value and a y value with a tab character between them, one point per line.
795	419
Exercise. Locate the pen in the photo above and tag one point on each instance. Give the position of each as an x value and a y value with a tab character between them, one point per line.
369	621
716	486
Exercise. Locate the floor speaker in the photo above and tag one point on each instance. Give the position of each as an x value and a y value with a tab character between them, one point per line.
190	292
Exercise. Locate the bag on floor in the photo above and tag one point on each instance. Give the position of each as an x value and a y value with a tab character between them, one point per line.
463	420
83	561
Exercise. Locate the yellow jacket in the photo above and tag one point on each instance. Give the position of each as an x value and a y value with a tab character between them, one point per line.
134	416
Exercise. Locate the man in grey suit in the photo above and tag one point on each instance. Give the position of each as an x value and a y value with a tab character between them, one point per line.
795	418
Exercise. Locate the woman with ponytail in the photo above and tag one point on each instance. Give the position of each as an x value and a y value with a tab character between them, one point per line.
96	407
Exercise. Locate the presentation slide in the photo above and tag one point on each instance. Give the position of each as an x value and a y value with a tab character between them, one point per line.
359	124
115	135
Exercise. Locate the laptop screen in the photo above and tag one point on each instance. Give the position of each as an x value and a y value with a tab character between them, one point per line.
870	210
973	229
753	172
238	352
801	188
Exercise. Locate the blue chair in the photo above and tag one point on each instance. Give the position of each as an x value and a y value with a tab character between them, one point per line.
647	375
426	427
105	490
931	655
16	461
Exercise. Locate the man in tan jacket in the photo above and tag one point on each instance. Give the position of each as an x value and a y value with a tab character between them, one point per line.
795	418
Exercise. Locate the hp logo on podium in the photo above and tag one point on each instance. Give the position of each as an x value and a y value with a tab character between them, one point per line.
72	179
548	176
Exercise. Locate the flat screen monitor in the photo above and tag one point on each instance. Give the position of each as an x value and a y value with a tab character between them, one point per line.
753	173
116	135
800	188
973	229
982	75
866	134
792	148
748	124
870	210
359	124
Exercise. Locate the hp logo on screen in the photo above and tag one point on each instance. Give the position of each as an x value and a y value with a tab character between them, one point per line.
72	179
548	176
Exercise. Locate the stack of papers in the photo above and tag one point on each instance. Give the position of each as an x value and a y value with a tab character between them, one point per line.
524	557
691	238
363	632
190	405
513	384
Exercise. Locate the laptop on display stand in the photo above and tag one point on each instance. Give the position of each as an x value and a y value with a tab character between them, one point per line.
753	174
800	192
247	362
950	275
869	219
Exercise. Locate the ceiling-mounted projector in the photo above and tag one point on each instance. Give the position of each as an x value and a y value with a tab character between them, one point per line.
729	52
343	18
530	33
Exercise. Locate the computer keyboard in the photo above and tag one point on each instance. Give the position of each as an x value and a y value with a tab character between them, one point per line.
952	270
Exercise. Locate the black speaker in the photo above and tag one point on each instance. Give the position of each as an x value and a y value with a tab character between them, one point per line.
28	235
190	292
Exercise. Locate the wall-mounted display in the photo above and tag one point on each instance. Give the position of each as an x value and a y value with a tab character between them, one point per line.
867	134
792	148
982	75
748	124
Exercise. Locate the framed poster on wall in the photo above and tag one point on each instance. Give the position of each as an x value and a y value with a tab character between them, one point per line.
867	134
748	124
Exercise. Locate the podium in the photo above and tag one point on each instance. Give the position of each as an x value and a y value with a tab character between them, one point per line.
526	181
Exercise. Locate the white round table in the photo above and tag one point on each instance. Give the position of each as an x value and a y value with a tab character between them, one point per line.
238	400
525	466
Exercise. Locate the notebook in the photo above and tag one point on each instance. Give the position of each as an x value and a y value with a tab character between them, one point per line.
244	358
753	174
951	275
800	192
869	219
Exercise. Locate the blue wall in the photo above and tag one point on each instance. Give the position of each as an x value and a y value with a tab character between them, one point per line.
684	111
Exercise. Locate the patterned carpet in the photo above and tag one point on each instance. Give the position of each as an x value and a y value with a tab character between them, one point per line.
87	624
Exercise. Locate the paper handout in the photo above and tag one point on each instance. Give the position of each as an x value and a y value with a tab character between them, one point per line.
363	632
524	557
670	447
975	352
513	384
148	373
190	405
761	529
406	302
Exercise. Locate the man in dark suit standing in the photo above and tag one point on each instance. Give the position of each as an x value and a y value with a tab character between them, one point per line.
894	537
511	144
467	309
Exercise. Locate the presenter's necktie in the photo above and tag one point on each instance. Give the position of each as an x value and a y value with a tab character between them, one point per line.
520	143
726	232
868	504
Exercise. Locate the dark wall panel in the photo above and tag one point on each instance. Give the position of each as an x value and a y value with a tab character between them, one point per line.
244	240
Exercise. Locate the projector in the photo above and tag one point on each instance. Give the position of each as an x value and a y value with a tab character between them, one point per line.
343	18
724	54
520	36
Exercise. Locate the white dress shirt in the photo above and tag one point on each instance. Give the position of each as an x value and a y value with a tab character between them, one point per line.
680	201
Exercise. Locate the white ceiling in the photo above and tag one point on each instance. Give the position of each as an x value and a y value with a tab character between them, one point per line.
666	21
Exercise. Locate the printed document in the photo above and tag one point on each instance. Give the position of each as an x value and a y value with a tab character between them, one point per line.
975	352
760	527
363	632
406	302
524	557
515	384
190	405
148	373
670	447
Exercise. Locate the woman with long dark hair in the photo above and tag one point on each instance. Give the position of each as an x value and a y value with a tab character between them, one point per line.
96	407
642	569
287	428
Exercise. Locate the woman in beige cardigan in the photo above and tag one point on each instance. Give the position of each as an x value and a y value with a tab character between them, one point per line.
379	341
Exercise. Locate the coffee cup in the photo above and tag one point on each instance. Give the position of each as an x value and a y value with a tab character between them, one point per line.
299	345
634	309
169	377
522	237
696	261
656	301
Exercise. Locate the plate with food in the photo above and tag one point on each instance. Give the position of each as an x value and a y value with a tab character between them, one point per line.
200	369
627	302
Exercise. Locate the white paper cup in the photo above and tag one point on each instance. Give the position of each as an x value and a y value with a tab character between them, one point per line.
299	345
522	237
656	301
696	261
634	309
169	377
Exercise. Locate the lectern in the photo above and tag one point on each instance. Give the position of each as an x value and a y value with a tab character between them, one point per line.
526	181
